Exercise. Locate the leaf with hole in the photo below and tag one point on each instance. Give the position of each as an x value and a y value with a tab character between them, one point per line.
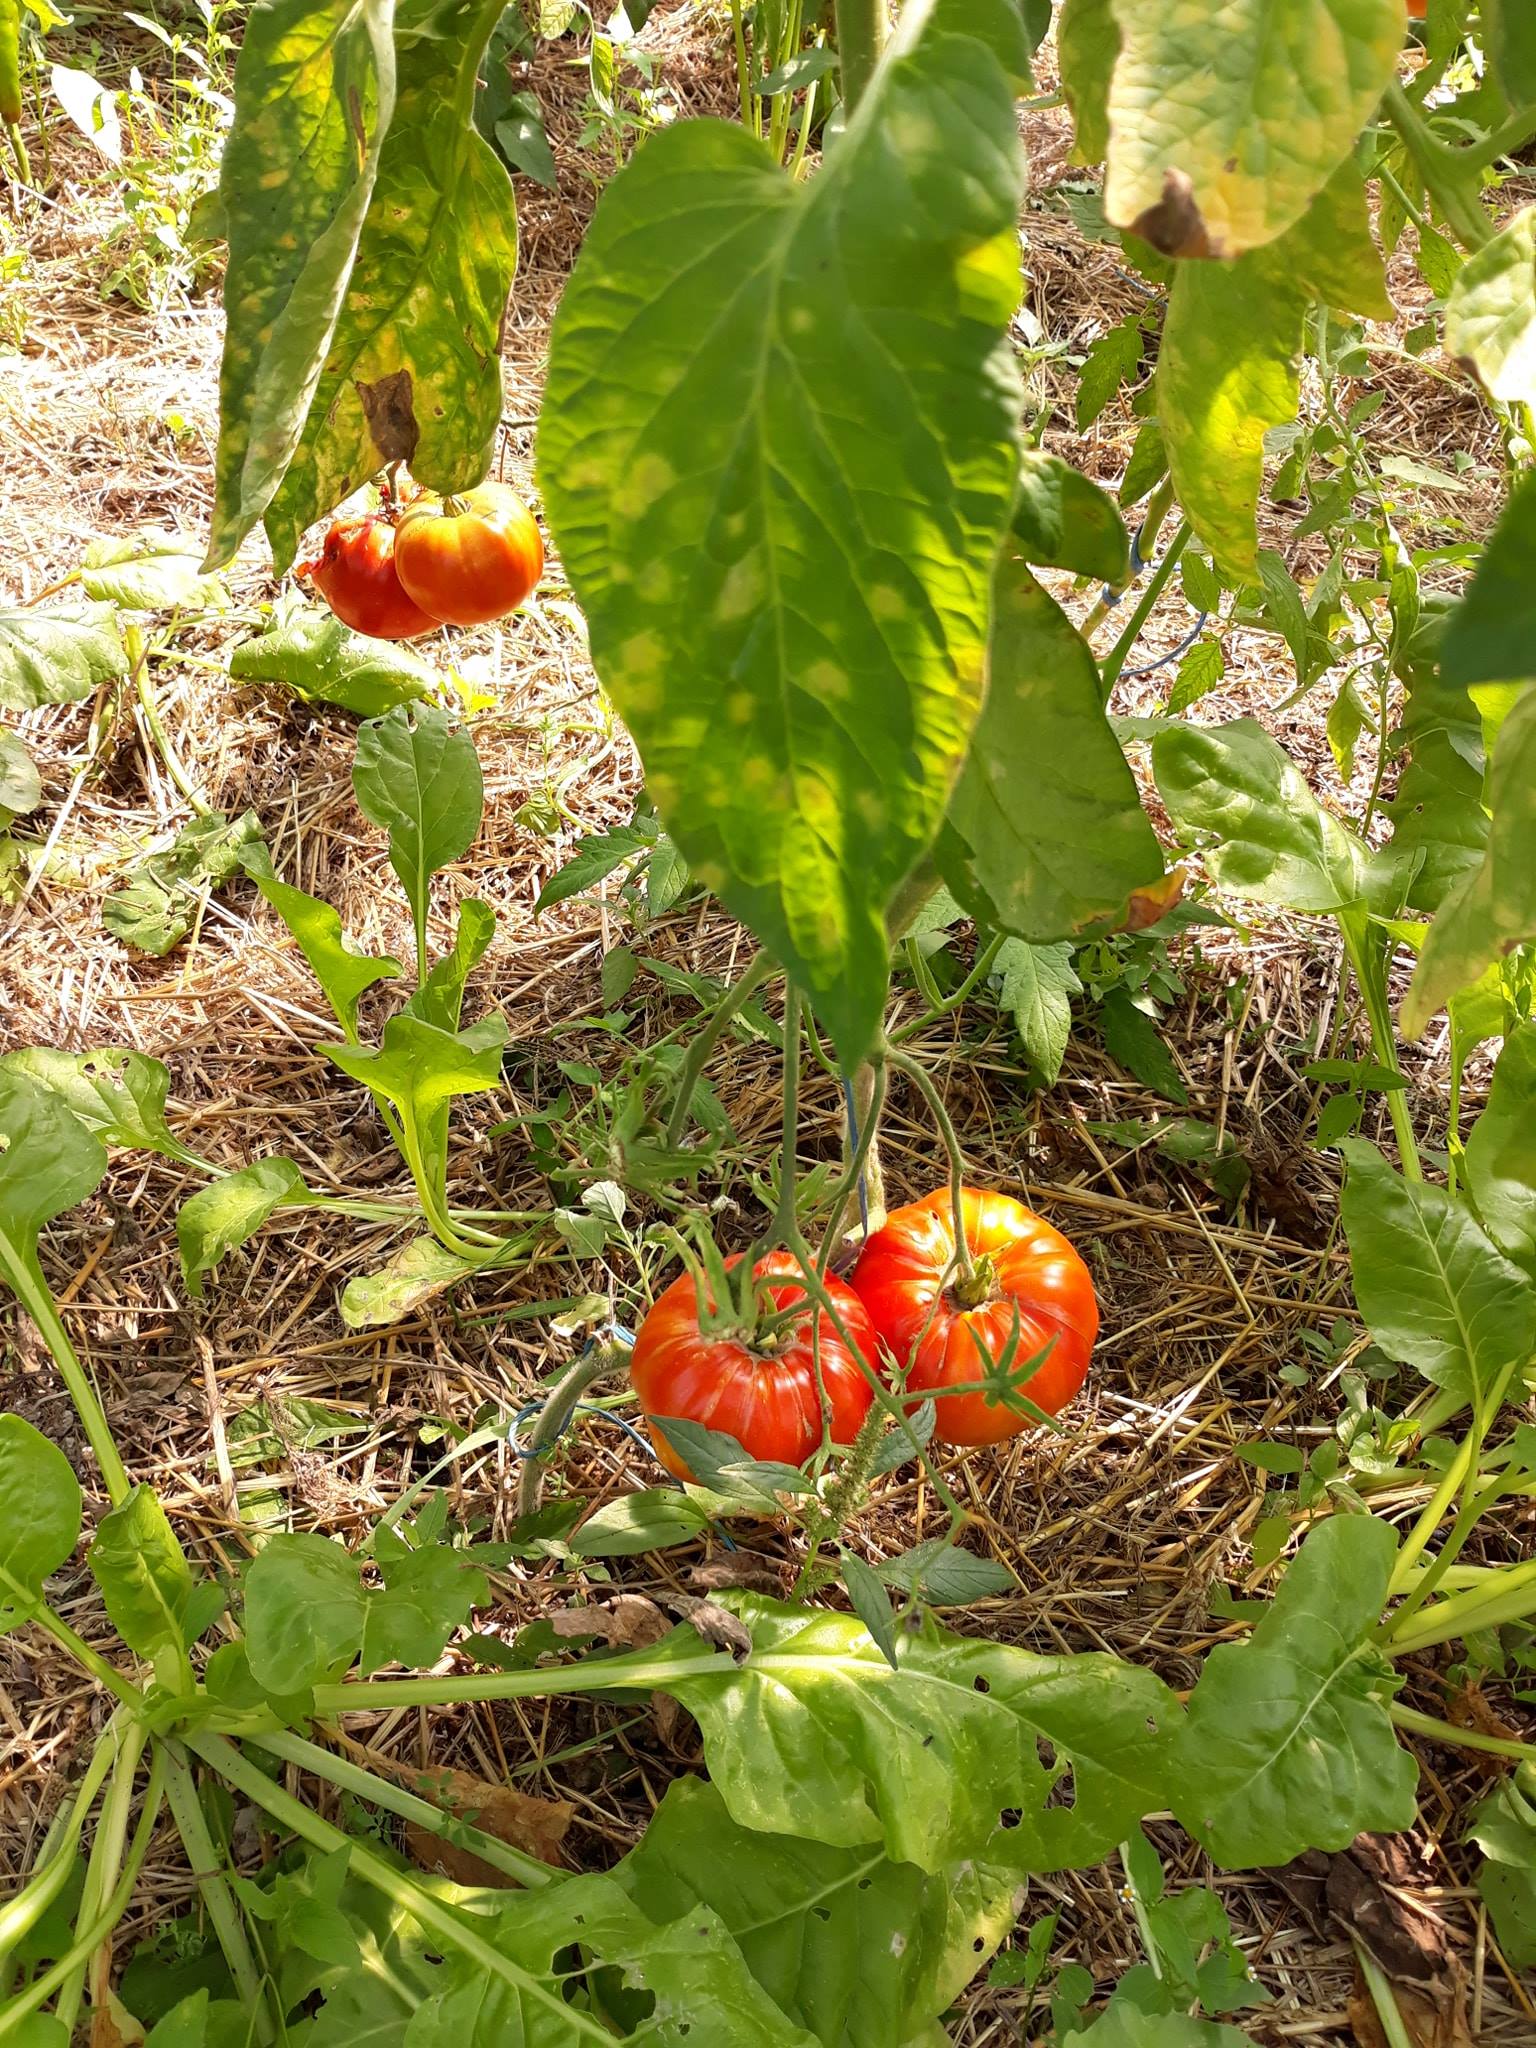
117	1093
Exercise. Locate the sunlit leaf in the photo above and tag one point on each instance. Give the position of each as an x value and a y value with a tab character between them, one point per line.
41	1523
1490	318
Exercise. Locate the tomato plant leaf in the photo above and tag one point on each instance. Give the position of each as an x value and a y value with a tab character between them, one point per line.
1134	1041
150	572
1038	984
1087	44
594	860
322	661
315	85
1062	520
944	1575
938	1758
788	607
57	657
220	1217
1510	30
1225	123
657	1518
871	1603
1434	1291
418	777
1199	672
41	1523
719	1462
1490	317
1273	839
1493	908
427	1595
304	1611
855	1947
1491	635
142	1570
1287	1744
1045	833
115	1092
1500	1153
413	367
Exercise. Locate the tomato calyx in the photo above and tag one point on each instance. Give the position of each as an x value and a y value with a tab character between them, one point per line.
974	1289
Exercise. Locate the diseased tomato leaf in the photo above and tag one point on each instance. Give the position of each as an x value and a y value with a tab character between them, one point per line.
778	449
1062	520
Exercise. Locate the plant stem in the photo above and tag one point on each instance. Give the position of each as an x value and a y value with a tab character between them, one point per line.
22	1911
1372	986
1414	1723
867	1124
138	655
192	1826
1480	1607
861	33
559	1405
1443	170
1118	655
351	1777
1504	140
103	1871
88	1659
1384	1998
743	68
1455	1477
946	1006
31	1290
735	999
918	1075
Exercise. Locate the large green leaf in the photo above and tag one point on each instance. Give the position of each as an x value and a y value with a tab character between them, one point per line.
149	572
1509	27
49	1161
939	1758
1045	833
1038	984
143	1573
856	1948
324	662
1274	840
1087	44
1490	317
344	973
1501	1151
314	93
1062	520
40	1524
1491	635
304	1610
1227	117
1433	1289
419	778
1227	369
1437	813
1493	909
413	369
1287	1745
116	1092
779	450
57	657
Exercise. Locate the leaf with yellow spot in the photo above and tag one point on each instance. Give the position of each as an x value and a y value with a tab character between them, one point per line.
779	449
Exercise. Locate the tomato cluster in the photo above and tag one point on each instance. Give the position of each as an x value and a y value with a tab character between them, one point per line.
427	561
1019	1312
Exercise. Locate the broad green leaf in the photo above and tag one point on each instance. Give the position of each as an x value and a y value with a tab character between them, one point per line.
1504	1828
939	1759
1132	1039
418	777
115	1092
1228	117
1500	1157
220	1217
304	1608
314	86
417	1273
1287	1744
1045	833
1491	635
155	908
413	367
440	999
1434	1291
324	662
1509	27
342	972
655	1519
420	1069
1062	520
1124	2025
1226	368
1273	839
49	1161
57	657
1347	720
847	1943
1493	909
1490	317
21	787
427	1595
1038	984
1437	813
779	450
871	1603
143	1573
150	572
41	1522
1087	44
943	1575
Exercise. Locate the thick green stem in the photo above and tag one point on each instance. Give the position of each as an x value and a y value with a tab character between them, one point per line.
103	1871
735	999
597	1675
1373	994
862	26
1119	654
22	1911
863	1162
31	1290
88	1659
1462	1466
218	1899
1414	1723
559	1406
1511	1598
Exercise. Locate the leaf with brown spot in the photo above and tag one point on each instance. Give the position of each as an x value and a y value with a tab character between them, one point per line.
536	1826
387	407
631	1622
1174	224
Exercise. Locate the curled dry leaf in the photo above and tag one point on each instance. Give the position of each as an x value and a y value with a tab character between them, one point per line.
722	1631
744	1568
536	1826
631	1622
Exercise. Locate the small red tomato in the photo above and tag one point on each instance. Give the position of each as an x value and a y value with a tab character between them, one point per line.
931	1322
469	559
355	574
766	1398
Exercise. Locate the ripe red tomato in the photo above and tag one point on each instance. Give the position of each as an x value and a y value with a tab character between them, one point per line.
470	559
1417	9
767	1399
355	574
907	1279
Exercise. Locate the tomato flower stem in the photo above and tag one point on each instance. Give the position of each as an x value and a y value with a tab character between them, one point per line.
918	1075
758	970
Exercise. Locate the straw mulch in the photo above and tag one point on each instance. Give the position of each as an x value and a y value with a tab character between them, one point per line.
1119	1530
